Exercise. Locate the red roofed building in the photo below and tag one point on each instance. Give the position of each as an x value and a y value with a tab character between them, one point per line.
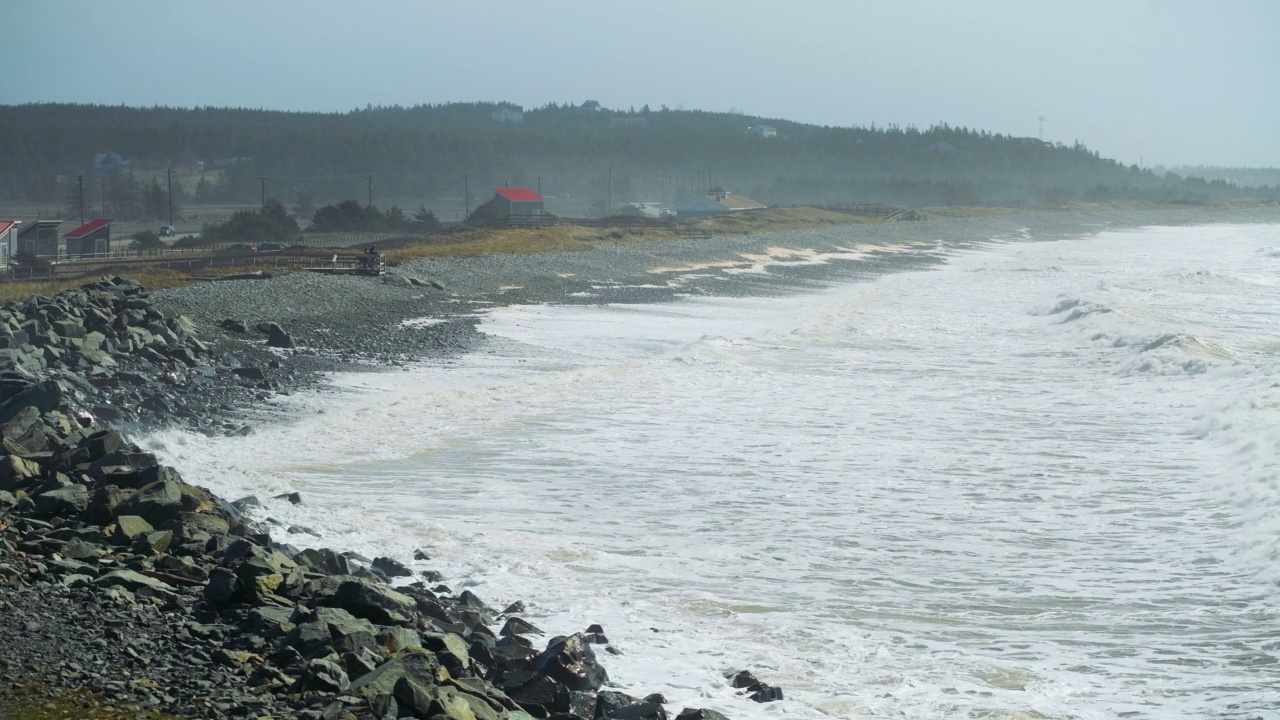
518	201
93	239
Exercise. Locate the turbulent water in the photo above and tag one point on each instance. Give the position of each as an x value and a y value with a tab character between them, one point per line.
1038	481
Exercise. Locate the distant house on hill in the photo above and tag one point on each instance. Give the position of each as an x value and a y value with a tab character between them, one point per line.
762	131
518	201
93	239
8	240
591	105
508	114
109	163
717	202
38	238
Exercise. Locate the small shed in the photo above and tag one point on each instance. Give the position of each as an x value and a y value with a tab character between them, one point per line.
518	201
38	238
93	239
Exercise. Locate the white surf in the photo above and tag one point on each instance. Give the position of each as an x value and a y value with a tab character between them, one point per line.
1040	481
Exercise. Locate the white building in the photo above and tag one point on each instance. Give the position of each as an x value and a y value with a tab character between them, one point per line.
509	114
762	131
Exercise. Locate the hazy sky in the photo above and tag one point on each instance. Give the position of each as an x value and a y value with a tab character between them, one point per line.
1169	82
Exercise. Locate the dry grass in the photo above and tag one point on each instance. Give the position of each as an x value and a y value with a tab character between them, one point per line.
489	241
485	241
152	278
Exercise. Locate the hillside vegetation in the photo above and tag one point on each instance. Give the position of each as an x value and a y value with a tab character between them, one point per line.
423	153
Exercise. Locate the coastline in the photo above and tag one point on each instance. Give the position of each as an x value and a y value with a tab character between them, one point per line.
618	272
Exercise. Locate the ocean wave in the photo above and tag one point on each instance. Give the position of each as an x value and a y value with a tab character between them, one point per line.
1078	309
1189	344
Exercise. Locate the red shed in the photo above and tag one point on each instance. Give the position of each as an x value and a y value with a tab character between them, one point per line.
93	239
518	201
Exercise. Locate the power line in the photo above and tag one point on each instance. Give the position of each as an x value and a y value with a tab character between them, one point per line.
169	174
370	191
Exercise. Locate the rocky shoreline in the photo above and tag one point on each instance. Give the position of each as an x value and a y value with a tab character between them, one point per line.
120	579
123	586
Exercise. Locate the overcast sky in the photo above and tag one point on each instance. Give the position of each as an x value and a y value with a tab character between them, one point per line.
1168	81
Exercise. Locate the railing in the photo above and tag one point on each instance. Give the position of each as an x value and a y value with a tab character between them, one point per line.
249	261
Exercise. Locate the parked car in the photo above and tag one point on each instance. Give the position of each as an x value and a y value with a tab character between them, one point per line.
271	247
168	231
237	249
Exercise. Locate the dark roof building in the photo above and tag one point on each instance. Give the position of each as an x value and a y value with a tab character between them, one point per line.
38	238
518	201
93	239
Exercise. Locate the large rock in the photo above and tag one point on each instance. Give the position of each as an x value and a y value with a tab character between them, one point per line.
324	560
414	697
571	661
224	588
323	676
63	502
348	632
277	337
130	528
156	503
391	567
132	581
69	328
421	667
369	600
700	714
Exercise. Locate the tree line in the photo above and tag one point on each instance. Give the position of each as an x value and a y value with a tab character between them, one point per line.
574	151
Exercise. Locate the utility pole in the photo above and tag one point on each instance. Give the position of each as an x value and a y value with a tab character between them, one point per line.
1041	128
610	190
263	181
80	186
370	191
104	197
539	184
466	193
169	174
709	185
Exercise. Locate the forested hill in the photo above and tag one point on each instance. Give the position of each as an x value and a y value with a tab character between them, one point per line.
422	153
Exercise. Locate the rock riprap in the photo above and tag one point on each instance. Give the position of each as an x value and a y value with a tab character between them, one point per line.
118	358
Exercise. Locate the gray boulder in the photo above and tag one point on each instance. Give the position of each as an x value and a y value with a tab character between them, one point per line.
63	502
418	666
276	336
369	600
